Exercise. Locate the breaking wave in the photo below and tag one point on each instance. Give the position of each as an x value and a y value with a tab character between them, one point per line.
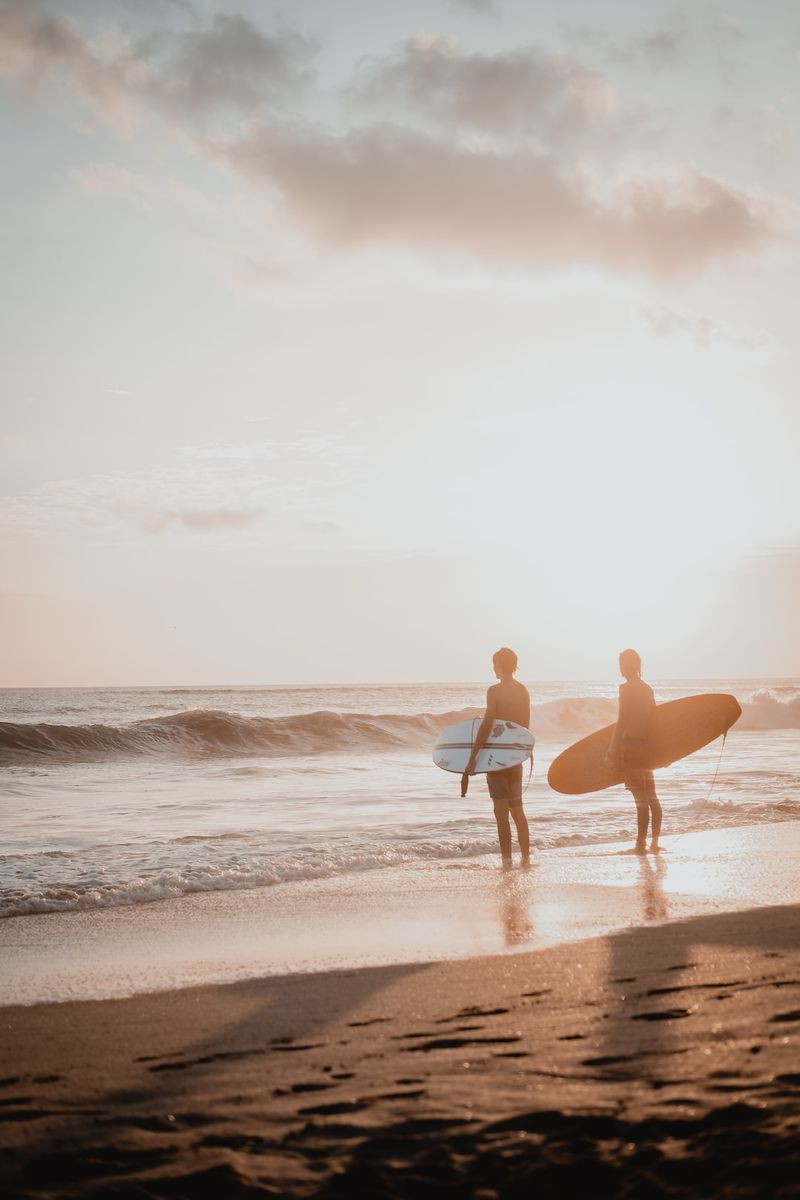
210	733
766	711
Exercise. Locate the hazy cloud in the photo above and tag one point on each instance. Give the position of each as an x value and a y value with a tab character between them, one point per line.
704	30
209	488
322	526
393	186
703	331
33	43
230	66
102	180
462	192
549	98
660	48
318	447
486	8
145	11
198	520
195	496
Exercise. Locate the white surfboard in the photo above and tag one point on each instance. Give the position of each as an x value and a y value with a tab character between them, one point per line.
506	746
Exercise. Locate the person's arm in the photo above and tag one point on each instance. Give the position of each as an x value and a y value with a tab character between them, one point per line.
484	729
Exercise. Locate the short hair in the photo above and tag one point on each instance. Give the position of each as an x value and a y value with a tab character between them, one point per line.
505	660
630	662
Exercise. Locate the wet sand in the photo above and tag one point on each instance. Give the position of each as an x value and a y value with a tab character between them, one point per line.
657	1059
436	910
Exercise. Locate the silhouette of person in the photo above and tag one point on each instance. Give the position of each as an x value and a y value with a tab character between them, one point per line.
507	700
631	748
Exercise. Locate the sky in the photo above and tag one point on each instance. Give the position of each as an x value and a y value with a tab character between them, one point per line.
346	342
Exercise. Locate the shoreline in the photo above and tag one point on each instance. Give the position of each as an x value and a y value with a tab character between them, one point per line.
440	910
658	1059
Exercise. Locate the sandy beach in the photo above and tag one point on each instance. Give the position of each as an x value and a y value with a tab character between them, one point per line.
658	1059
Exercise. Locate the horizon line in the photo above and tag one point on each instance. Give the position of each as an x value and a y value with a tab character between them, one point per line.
198	687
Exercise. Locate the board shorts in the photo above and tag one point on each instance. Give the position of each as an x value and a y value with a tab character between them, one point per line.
636	773
506	785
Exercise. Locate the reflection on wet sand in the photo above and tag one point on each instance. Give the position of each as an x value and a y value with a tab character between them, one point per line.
515	899
652	872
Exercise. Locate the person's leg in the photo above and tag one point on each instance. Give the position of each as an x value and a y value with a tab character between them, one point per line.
523	833
635	782
503	830
642	821
655	812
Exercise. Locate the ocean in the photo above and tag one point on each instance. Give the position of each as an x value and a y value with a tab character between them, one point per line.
121	796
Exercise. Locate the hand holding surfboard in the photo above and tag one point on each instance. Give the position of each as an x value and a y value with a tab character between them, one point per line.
506	746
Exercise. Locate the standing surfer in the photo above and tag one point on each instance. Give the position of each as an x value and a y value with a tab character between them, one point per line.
508	700
631	747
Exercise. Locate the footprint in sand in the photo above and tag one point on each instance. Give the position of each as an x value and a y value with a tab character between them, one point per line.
471	1012
311	1087
607	1061
666	1014
344	1106
408	1095
460	1043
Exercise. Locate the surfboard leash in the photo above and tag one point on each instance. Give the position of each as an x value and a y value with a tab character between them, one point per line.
705	803
530	775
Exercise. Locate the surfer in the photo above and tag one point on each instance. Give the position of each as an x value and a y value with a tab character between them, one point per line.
631	748
507	700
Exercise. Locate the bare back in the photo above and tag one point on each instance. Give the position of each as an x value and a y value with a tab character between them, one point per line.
509	700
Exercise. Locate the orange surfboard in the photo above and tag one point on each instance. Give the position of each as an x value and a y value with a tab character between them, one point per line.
682	726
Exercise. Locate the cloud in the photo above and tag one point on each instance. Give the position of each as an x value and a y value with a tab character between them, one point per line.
659	49
392	186
549	98
317	447
230	66
707	31
198	520
194	495
33	44
455	188
218	488
703	331
103	180
486	8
